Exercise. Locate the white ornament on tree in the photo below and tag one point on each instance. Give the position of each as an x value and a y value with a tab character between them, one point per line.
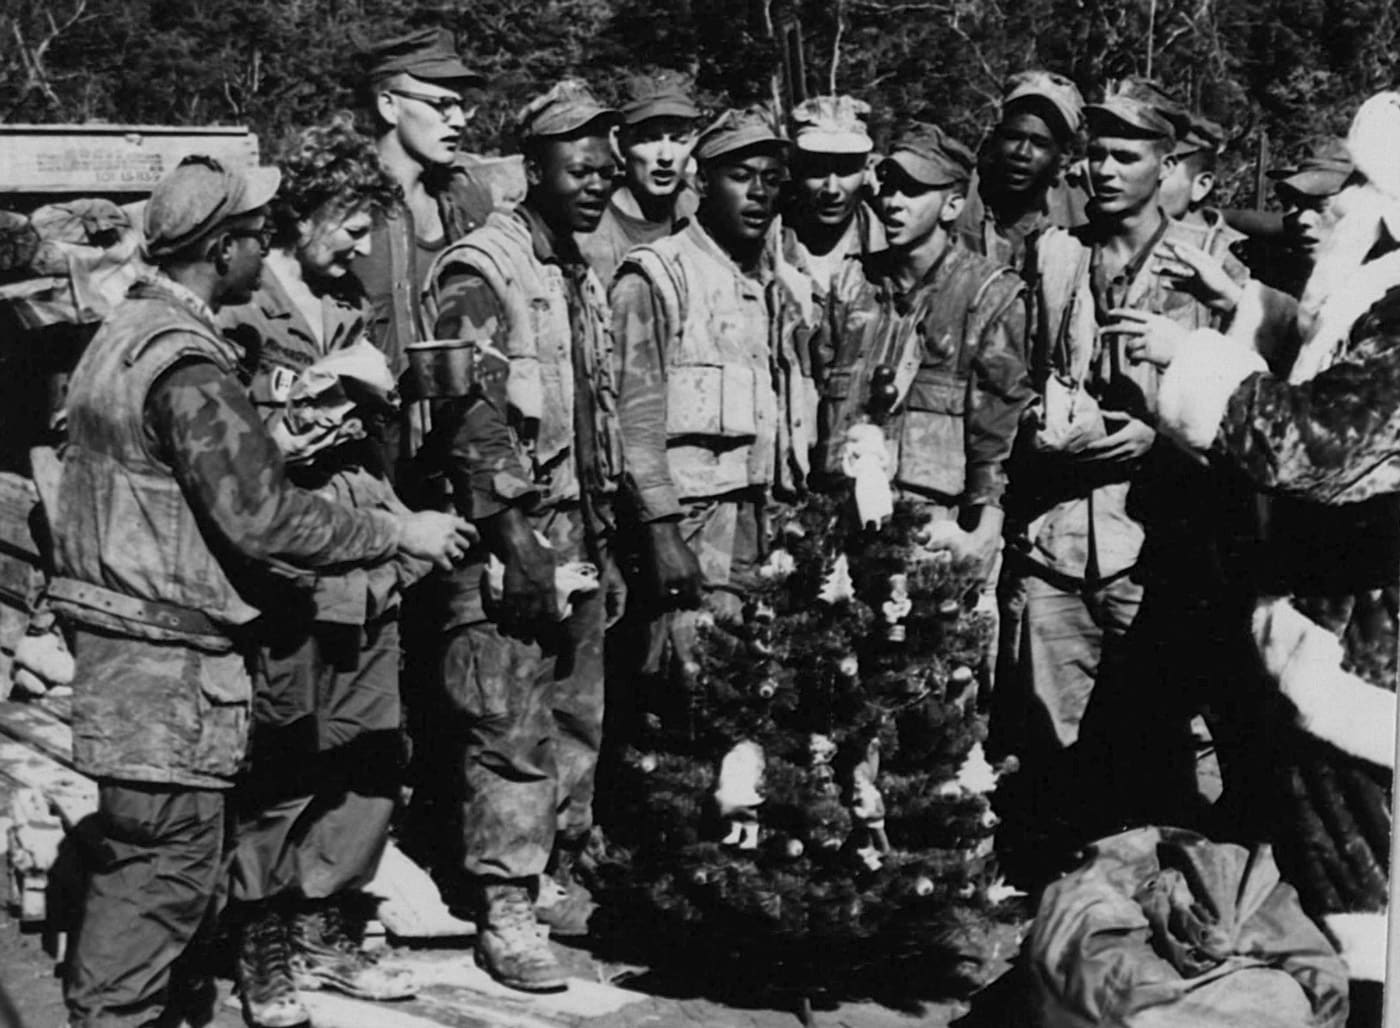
865	459
738	794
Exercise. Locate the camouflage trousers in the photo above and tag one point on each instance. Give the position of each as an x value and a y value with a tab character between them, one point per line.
729	538
533	709
156	868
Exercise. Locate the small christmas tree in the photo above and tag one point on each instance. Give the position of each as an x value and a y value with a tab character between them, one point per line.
808	809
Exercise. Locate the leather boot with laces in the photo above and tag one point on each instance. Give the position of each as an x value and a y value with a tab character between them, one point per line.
511	945
327	953
265	969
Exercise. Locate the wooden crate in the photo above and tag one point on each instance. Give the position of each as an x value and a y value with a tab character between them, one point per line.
85	159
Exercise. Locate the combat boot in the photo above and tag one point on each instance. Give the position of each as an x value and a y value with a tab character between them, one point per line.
563	902
511	945
265	982
327	953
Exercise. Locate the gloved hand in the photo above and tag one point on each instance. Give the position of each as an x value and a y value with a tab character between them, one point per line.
674	570
527	594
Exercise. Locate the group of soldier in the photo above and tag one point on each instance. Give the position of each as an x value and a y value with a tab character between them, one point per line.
672	333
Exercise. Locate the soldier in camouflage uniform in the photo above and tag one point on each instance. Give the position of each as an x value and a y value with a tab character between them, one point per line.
534	461
659	121
313	814
829	220
717	406
951	325
173	498
1020	190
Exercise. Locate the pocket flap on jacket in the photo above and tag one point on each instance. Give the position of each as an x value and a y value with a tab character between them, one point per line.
941	395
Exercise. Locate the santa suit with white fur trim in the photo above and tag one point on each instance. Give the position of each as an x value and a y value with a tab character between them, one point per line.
1328	434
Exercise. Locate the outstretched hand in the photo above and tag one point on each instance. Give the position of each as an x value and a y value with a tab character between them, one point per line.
1151	338
1192	270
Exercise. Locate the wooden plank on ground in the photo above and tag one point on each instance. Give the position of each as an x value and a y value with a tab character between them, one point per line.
33	725
73	796
411	906
583	999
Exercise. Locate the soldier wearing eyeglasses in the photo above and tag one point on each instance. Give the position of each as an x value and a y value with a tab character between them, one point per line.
419	91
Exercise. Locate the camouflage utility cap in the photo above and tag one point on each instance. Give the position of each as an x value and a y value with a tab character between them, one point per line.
736	130
428	54
191	202
1201	134
662	94
1322	173
832	124
567	107
1059	92
1155	95
1127	117
930	156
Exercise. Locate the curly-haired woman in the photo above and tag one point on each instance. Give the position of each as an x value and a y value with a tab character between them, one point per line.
313	817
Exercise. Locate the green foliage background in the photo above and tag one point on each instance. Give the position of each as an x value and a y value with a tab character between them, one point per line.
1293	69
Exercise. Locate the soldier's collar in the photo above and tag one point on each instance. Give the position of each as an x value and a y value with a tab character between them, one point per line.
548	247
162	283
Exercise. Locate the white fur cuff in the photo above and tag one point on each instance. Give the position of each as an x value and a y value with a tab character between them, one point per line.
1363	944
1334	705
1197	385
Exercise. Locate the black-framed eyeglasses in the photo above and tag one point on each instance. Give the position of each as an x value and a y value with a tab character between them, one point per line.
262	235
444	105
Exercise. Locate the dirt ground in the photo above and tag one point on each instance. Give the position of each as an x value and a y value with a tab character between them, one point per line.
30	997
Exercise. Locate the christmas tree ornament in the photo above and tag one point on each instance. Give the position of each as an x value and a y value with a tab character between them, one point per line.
897	607
865	459
779	565
737	794
868	806
837	587
999	892
976	776
812	759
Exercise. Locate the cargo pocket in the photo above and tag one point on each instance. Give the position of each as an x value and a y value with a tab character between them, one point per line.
932	452
711	400
224	701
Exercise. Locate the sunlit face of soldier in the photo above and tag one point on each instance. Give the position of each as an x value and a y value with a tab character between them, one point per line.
829	185
1025	153
654	154
739	194
570	179
912	211
237	251
1126	173
427	118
